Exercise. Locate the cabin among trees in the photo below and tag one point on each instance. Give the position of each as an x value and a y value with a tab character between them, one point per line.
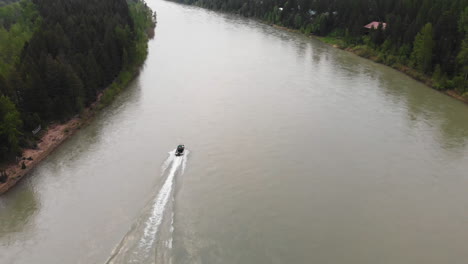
374	25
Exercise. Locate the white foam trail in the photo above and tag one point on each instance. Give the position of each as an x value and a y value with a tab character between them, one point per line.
171	230
157	211
169	243
136	248
184	162
168	161
172	223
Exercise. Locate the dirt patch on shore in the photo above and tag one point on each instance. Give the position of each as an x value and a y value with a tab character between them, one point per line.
454	94
55	135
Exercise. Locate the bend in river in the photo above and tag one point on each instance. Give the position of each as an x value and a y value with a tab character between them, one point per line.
299	153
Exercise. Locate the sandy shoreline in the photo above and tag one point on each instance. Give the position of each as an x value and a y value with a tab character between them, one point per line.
55	135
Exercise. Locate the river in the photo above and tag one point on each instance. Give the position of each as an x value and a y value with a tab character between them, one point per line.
297	153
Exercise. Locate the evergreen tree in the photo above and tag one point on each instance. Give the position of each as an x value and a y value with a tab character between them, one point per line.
462	57
422	48
57	55
10	127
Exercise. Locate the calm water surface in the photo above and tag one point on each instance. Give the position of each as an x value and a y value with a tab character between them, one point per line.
299	153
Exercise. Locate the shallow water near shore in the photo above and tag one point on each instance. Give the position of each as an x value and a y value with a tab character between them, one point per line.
299	153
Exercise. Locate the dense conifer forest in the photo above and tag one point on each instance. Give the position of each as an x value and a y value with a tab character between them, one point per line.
56	56
429	36
6	2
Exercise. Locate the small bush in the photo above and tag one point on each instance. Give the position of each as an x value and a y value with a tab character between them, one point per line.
390	60
444	84
381	58
460	84
365	51
438	86
3	177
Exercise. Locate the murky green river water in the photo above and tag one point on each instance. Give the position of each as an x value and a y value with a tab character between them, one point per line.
298	153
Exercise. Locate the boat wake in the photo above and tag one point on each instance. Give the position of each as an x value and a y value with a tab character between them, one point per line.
150	238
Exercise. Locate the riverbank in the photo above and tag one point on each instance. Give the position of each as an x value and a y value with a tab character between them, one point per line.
371	54
53	137
57	133
363	51
367	53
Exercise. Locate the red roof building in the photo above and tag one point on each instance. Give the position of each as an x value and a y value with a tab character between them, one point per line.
375	25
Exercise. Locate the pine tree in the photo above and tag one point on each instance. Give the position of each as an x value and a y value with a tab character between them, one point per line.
462	57
422	49
10	127
4	88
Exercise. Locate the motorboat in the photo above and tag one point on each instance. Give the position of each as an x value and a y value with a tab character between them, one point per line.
180	150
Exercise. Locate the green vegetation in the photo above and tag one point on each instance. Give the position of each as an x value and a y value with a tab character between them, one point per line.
56	56
10	127
18	22
144	20
427	39
422	49
6	2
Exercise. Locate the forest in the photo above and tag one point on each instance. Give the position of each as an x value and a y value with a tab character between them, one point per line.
428	36
6	2
56	56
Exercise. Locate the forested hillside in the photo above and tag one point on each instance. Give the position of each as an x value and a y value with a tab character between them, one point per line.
57	55
6	2
430	36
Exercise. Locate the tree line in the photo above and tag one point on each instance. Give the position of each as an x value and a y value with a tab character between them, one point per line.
57	55
6	2
430	36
